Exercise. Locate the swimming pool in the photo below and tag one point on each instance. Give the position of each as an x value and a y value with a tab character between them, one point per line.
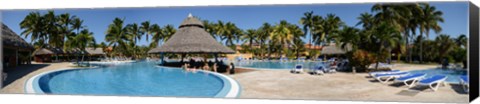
134	79
453	76
277	65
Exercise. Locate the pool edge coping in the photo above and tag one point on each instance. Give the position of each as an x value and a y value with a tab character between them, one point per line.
33	88
230	89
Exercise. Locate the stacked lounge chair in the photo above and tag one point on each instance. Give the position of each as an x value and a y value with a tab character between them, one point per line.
389	76
383	72
411	77
434	80
464	82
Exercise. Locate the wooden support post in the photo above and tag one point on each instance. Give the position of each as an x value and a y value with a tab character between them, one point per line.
216	57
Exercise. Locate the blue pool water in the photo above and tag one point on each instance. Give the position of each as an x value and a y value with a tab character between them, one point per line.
132	79
276	65
453	76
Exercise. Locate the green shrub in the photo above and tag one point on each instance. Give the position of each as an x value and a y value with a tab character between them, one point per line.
360	59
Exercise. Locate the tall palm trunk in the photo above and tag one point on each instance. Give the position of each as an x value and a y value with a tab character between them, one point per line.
421	48
261	49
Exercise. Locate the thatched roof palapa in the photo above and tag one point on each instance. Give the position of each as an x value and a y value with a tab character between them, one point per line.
191	37
96	51
43	51
11	39
333	49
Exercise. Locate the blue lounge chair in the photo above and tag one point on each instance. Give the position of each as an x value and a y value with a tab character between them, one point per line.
389	76
411	77
372	74
436	79
464	82
298	69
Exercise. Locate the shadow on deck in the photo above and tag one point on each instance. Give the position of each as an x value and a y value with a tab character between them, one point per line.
14	73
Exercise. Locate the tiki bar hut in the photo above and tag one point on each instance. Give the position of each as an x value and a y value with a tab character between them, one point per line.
16	51
191	38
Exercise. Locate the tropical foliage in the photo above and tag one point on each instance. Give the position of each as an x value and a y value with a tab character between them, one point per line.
388	30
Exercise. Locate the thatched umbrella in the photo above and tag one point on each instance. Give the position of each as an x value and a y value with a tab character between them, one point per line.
191	38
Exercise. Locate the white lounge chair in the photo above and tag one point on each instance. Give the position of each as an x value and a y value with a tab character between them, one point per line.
389	76
437	79
411	77
464	83
372	74
298	69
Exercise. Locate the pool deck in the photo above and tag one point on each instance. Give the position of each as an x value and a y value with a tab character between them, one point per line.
25	72
280	84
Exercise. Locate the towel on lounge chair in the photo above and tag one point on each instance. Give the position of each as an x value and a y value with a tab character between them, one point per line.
436	79
411	77
389	76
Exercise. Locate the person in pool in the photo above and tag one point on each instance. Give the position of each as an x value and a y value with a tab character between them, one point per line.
214	67
185	66
206	67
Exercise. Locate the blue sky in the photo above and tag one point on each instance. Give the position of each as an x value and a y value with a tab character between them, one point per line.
245	17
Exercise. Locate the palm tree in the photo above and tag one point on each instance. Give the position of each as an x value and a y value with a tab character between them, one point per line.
411	26
429	21
116	36
384	38
445	44
330	26
64	21
264	32
133	30
146	29
161	35
229	32
157	35
308	23
250	36
210	28
297	44
77	24
168	32
82	41
462	41
52	30
348	36
282	35
366	20
32	26
85	39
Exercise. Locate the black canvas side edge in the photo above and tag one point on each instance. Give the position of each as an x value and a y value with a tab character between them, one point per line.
473	62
